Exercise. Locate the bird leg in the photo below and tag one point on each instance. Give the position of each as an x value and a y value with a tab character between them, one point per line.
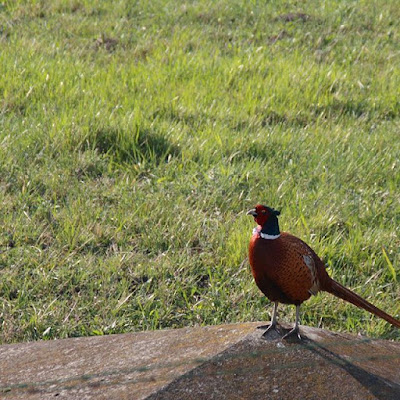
295	331
274	322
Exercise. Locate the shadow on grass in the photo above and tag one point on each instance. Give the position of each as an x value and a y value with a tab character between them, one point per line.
131	147
354	109
271	118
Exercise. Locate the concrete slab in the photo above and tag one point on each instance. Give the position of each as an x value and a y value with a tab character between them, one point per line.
130	366
219	362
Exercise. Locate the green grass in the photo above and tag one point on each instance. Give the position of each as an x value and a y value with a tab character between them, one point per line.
135	135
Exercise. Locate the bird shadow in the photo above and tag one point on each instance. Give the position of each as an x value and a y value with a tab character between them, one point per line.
258	365
380	387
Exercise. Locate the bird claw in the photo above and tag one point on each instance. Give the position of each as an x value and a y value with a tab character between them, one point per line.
271	327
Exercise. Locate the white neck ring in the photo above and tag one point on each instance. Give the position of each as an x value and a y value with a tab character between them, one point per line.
265	235
270	237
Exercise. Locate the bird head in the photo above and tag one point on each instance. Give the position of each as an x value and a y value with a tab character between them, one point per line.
262	213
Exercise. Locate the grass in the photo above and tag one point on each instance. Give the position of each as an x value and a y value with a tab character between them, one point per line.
135	135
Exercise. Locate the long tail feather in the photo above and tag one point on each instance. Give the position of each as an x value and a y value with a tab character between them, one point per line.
342	292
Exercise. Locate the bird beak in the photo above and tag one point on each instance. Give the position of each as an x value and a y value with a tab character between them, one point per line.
252	212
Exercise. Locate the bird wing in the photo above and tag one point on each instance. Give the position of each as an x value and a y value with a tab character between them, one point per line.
298	276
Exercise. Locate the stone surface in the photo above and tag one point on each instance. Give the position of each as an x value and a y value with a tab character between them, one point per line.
219	362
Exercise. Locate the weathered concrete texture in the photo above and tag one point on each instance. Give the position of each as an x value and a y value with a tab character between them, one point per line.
324	366
221	362
129	366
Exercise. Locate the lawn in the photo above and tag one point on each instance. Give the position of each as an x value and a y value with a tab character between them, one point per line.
135	135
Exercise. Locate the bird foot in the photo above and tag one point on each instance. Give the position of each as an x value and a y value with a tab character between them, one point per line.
271	327
293	334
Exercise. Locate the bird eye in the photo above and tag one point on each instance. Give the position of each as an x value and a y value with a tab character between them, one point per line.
263	212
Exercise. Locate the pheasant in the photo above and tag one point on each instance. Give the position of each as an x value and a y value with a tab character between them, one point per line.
288	271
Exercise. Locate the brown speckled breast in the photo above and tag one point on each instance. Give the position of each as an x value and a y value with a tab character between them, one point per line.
285	269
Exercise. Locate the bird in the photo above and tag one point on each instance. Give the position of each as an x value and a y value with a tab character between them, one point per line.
288	271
